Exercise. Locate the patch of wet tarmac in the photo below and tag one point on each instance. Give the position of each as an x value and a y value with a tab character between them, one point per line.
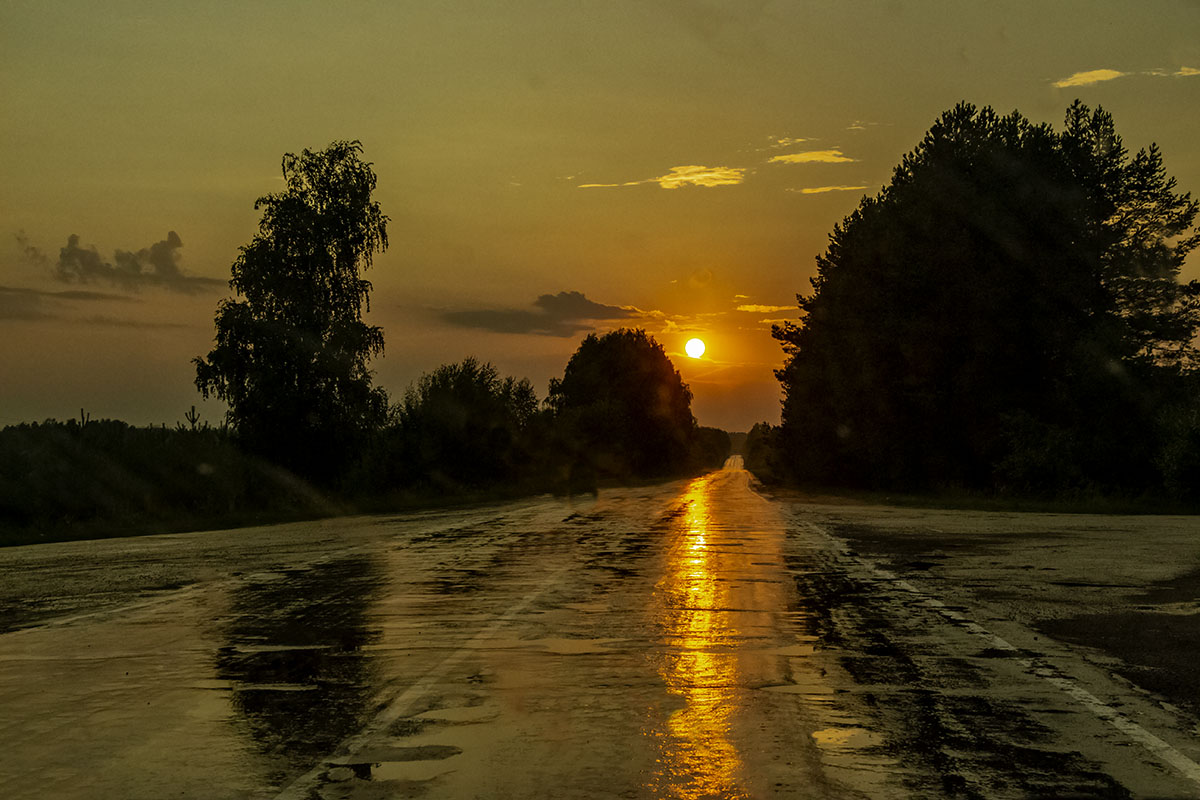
929	713
294	654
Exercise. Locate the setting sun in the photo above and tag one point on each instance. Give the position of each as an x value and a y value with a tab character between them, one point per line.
694	348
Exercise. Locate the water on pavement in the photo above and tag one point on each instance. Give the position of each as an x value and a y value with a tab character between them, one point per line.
690	640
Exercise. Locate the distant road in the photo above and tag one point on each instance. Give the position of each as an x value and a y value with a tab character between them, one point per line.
695	639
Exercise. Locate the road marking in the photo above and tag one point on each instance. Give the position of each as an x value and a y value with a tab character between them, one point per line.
403	704
1152	744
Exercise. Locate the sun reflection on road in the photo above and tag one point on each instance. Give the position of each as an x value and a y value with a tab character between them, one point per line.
698	757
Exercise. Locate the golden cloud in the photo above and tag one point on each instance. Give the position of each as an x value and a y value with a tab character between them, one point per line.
689	175
758	309
1099	75
814	157
787	141
1089	77
823	189
694	175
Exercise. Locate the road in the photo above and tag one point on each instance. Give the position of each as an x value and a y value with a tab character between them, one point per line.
690	640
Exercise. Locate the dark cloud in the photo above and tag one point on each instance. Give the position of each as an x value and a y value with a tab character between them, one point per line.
18	303
67	294
114	322
21	305
563	314
156	265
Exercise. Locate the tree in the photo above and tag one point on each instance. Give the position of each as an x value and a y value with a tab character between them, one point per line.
1003	312
462	425
623	407
290	360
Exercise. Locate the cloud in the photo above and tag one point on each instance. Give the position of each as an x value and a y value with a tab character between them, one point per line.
824	189
1088	78
689	175
1095	76
156	265
563	314
68	294
18	305
787	141
760	309
116	322
813	157
27	304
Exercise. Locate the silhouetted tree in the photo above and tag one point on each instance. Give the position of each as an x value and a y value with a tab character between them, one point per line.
710	447
758	452
464	425
1003	312
622	406
291	358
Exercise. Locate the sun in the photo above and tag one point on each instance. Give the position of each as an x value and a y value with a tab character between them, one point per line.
694	348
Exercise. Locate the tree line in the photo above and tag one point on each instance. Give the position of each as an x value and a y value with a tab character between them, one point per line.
291	356
306	430
1006	315
460	432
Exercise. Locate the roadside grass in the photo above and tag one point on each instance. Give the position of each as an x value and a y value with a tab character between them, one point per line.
106	479
963	500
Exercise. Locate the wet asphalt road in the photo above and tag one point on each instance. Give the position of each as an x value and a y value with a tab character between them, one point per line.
687	640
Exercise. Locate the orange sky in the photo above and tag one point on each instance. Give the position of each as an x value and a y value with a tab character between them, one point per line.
671	161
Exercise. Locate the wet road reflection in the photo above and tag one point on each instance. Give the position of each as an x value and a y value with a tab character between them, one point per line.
699	759
688	640
294	658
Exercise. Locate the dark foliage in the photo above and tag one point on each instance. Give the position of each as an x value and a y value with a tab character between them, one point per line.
1006	313
758	453
621	408
710	447
291	358
74	480
463	426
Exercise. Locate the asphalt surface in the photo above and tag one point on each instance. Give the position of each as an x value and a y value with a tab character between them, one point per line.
691	640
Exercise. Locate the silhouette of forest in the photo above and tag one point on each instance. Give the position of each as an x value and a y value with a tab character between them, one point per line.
1006	316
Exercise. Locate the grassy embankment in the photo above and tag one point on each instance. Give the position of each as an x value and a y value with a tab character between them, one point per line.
101	479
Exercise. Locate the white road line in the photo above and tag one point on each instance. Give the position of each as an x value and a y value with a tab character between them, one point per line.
403	704
1151	743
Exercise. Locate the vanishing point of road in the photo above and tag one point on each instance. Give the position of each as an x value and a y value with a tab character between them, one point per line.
697	639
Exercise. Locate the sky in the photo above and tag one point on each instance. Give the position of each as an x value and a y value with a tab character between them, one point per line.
550	169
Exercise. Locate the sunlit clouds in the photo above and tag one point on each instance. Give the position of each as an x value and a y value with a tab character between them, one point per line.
760	309
824	189
1094	76
813	157
787	141
1089	77
689	175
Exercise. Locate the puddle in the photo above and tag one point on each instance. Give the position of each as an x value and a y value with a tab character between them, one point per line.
588	608
460	714
557	645
842	739
795	650
276	648
419	771
375	755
